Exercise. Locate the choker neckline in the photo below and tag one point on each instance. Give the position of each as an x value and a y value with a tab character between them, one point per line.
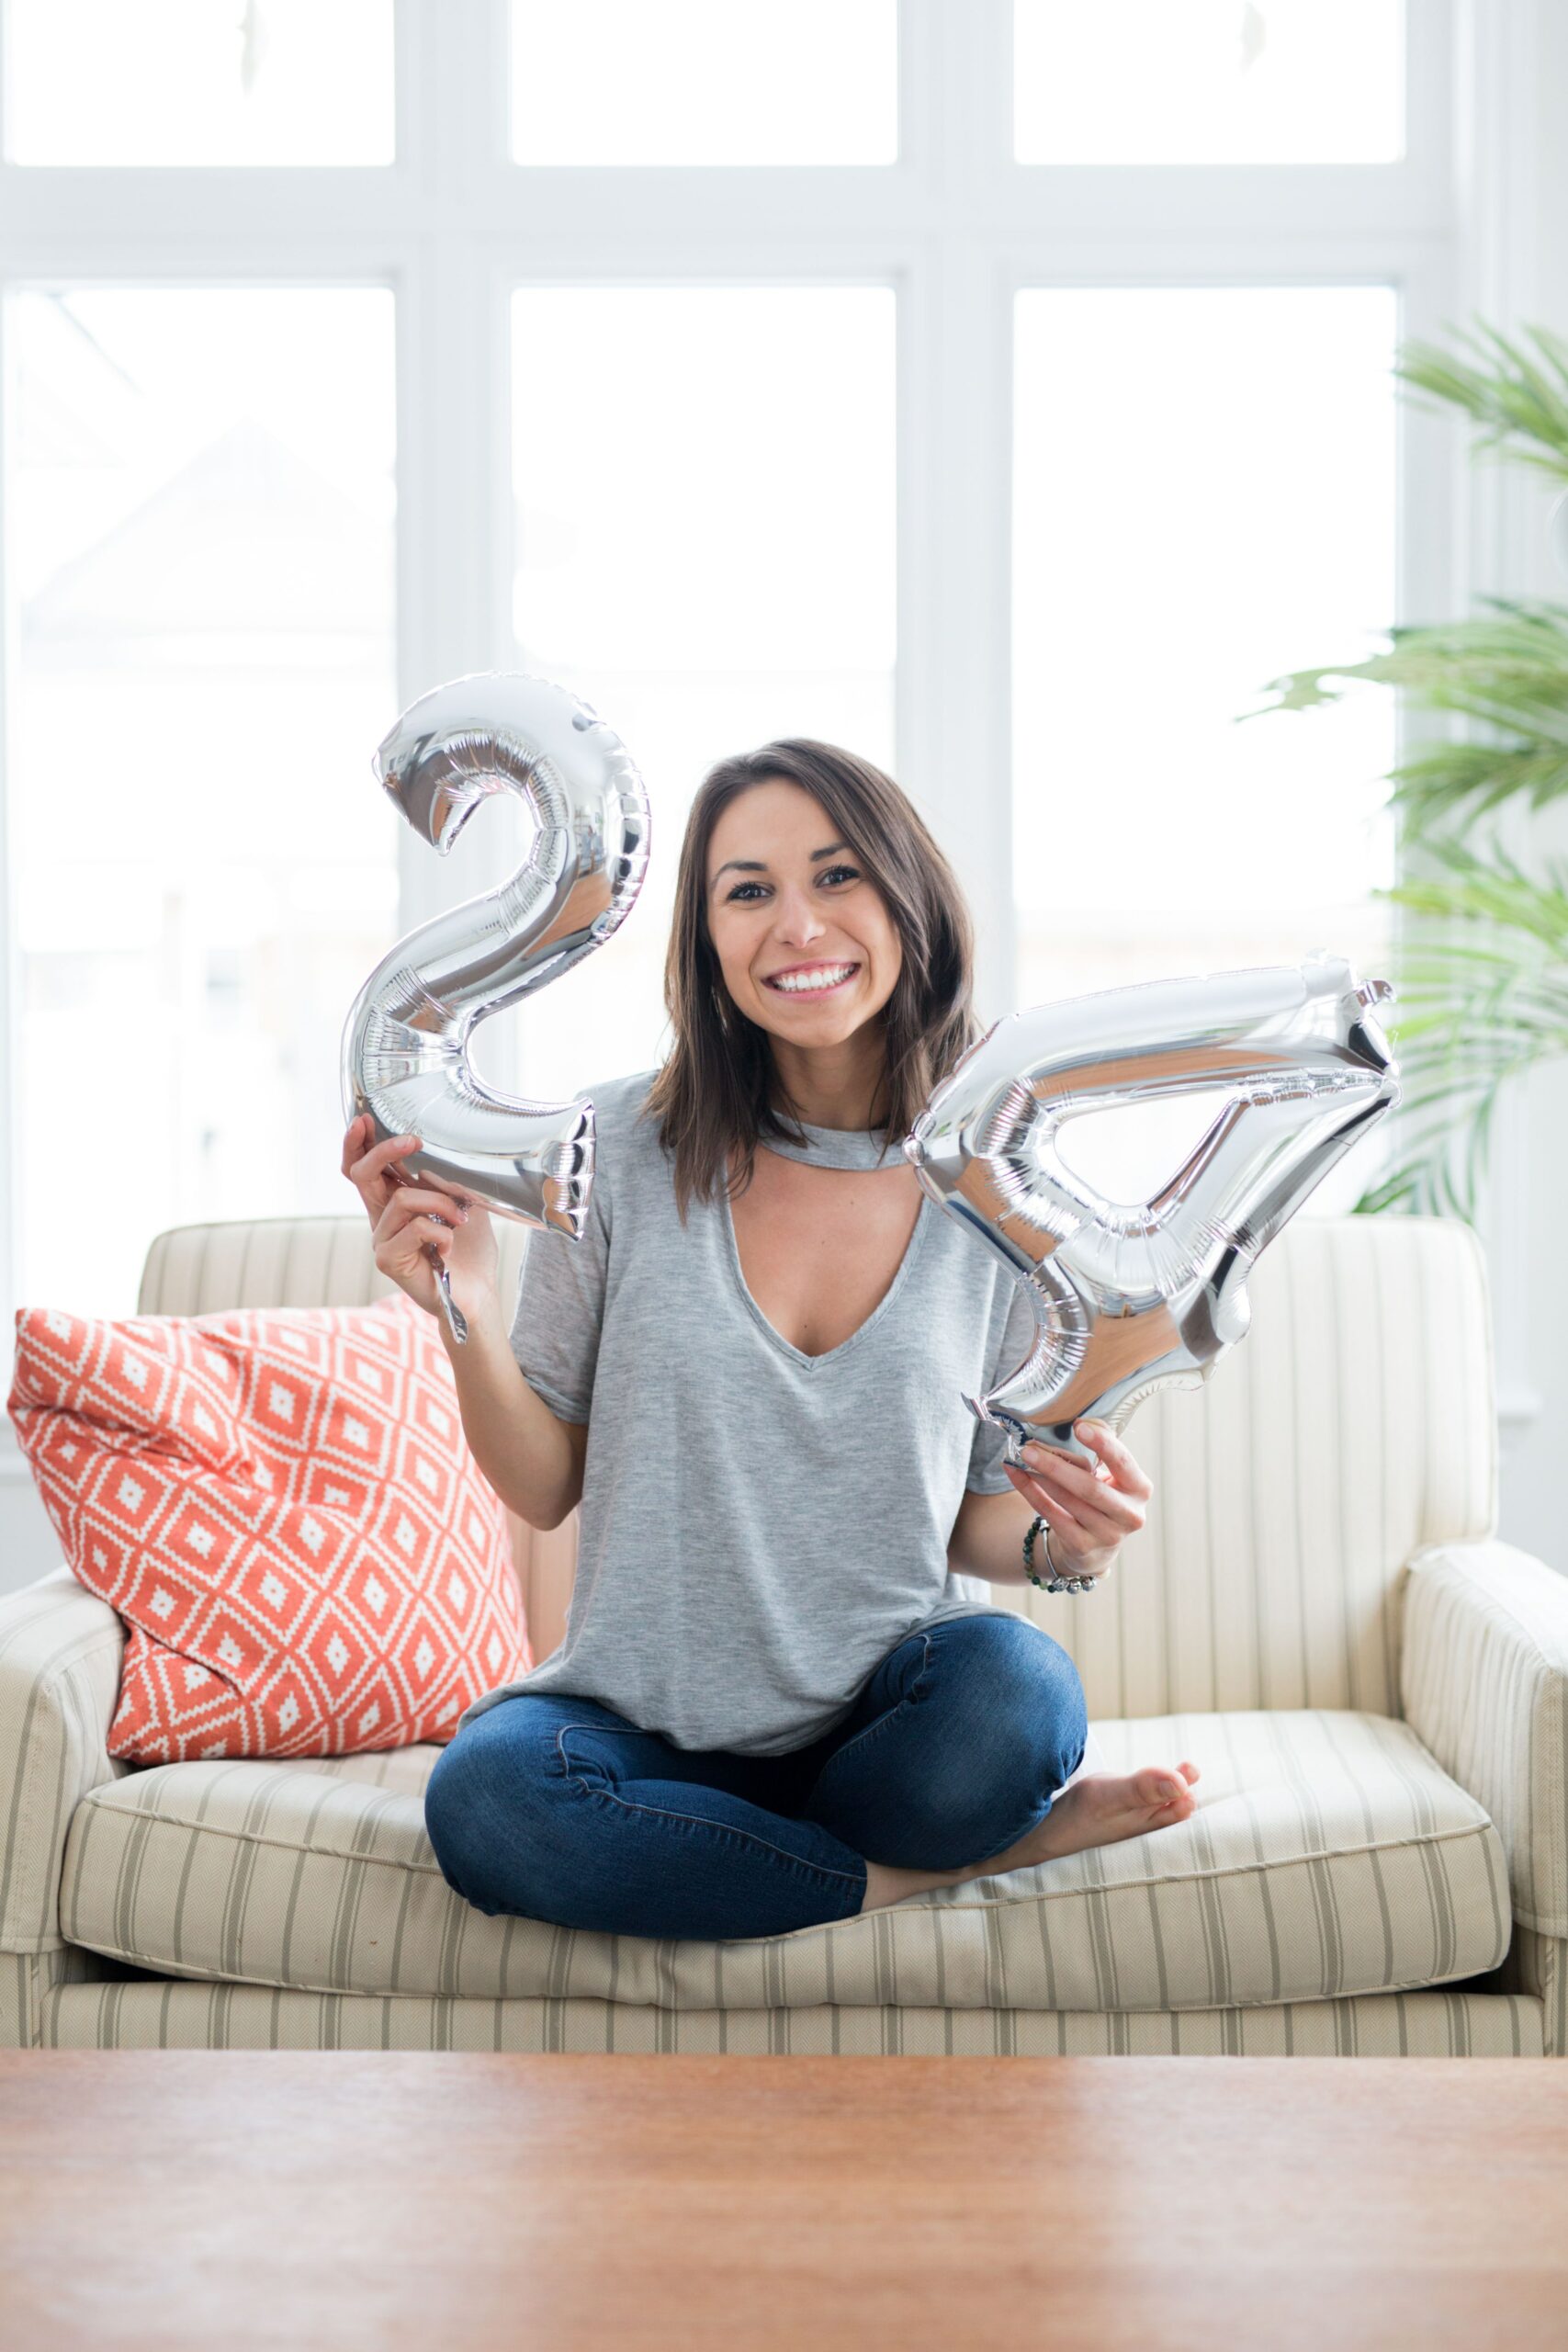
836	1147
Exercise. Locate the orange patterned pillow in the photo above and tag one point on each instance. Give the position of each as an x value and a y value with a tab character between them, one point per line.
282	1505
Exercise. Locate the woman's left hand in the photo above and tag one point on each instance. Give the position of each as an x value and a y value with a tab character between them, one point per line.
1090	1512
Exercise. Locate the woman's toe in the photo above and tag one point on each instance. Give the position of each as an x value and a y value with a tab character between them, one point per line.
1158	1787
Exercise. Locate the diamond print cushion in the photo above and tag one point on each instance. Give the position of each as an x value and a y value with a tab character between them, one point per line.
282	1505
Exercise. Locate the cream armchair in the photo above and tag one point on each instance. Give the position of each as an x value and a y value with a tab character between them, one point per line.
1318	1611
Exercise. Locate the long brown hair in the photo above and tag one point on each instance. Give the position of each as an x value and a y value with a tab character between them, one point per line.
711	1096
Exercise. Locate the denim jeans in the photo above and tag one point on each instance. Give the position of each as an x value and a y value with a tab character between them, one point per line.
559	1809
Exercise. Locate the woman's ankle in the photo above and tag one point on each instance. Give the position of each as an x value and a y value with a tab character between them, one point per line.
884	1884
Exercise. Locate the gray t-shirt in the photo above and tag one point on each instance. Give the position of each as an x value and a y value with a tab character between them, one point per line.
759	1527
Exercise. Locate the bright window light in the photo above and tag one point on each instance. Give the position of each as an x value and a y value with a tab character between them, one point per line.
704	82
704	537
1204	499
200	516
186	82
1209	82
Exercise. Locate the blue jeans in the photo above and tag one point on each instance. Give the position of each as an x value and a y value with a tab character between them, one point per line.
559	1809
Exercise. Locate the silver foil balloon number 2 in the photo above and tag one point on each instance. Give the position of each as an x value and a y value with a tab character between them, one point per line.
406	1040
1130	1297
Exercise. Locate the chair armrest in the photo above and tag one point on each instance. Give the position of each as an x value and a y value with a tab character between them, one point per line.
60	1649
1484	1683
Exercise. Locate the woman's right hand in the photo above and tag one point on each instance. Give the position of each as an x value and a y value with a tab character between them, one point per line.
406	1218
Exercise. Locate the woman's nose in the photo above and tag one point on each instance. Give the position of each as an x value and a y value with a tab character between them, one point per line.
796	918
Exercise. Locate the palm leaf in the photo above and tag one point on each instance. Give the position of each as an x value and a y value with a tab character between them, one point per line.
1506	669
1483	974
1473	780
1476	1010
1517	396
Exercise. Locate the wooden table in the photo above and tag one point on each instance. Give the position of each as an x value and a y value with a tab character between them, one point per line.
238	2199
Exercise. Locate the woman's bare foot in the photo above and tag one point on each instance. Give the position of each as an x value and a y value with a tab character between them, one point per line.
1098	1810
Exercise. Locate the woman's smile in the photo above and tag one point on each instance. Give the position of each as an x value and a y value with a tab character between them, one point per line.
811	979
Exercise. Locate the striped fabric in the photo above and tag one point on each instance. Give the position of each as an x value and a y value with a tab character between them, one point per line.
60	1656
1536	1967
280	1262
1255	1625
1486	1684
145	2016
1353	1425
1329	1856
28	1979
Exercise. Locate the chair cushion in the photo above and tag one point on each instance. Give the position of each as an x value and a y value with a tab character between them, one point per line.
281	1504
1329	1855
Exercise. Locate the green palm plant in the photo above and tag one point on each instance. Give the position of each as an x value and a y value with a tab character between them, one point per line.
1481	972
1482	982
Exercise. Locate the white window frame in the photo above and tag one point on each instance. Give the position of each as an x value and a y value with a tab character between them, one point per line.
955	227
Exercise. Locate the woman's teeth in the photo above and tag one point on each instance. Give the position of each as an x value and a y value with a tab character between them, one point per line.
816	983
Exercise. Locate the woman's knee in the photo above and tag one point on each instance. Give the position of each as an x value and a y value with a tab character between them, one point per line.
1019	1716
994	1725
1014	1669
487	1806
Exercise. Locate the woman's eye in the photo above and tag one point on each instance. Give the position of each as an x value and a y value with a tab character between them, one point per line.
828	874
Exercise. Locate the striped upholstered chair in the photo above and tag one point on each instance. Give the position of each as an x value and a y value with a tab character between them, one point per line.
1316	1612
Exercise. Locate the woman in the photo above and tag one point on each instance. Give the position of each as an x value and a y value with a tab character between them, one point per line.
785	1695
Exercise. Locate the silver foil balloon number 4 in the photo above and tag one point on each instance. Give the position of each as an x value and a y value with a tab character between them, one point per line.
406	1042
1129	1297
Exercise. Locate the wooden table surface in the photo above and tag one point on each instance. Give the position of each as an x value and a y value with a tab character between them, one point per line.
249	2198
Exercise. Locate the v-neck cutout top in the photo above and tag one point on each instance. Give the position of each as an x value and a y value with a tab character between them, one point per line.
759	1527
849	1147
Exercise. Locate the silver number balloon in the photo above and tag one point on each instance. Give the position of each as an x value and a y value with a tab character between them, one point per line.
1128	1298
405	1043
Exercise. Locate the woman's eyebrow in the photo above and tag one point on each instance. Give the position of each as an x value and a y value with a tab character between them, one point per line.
755	866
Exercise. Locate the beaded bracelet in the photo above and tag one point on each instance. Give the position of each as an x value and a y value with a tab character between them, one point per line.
1057	1583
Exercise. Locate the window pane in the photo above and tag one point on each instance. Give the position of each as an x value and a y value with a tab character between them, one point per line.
1209	81
185	82
1171	555
704	81
705	553
201	529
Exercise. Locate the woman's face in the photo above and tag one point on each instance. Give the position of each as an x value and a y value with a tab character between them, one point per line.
787	897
